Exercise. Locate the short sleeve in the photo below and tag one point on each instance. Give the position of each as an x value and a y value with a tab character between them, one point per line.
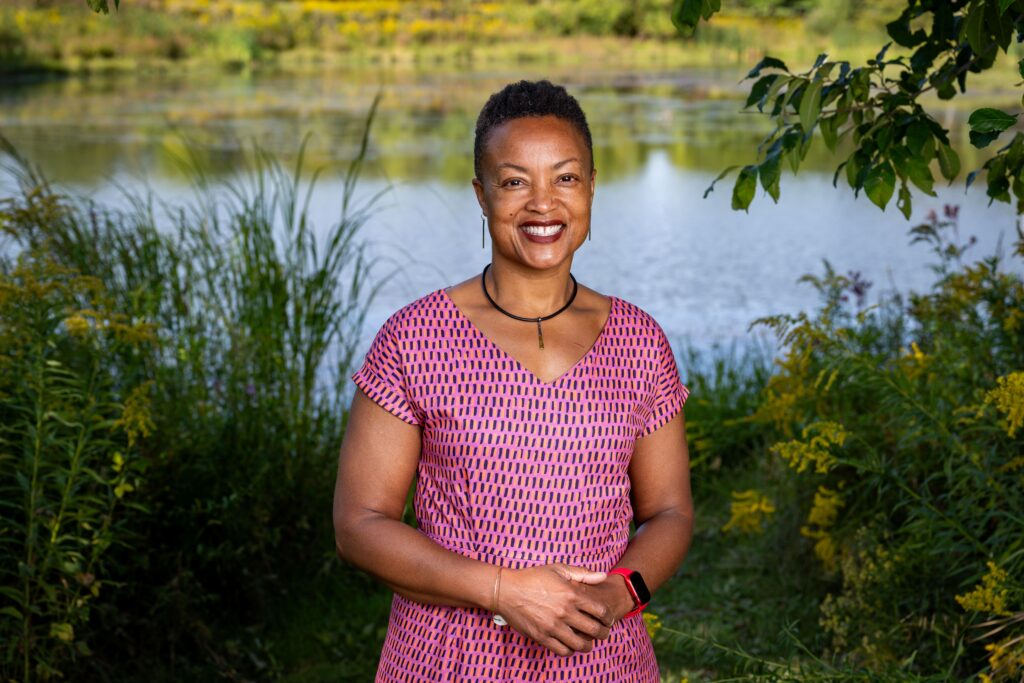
382	376
669	391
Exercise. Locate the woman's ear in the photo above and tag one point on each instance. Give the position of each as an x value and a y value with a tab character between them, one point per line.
478	188
593	179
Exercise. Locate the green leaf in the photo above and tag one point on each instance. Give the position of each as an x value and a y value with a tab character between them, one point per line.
770	173
743	191
65	632
99	6
710	7
987	120
759	92
904	203
1005	5
880	183
921	175
974	27
767	63
852	171
810	105
883	137
828	127
949	161
1014	151
685	15
860	85
721	175
798	153
918	136
981	140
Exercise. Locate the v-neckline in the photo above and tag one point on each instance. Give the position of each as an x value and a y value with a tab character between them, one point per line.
550	384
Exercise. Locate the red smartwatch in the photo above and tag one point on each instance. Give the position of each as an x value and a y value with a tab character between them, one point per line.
636	587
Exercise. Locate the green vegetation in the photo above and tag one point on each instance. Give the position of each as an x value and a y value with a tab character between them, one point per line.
173	383
292	34
940	44
169	430
172	398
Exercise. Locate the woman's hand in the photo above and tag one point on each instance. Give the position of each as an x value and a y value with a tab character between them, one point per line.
552	604
613	593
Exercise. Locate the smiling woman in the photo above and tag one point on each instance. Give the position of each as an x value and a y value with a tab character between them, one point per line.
540	418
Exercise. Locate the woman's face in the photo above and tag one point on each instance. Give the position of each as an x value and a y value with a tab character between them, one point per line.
537	178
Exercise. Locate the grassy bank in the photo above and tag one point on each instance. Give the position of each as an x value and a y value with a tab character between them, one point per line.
65	36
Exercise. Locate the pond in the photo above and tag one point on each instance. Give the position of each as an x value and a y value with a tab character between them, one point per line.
701	269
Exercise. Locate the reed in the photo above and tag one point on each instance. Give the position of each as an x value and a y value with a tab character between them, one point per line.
192	360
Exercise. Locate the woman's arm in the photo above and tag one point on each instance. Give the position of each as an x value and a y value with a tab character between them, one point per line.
659	472
378	459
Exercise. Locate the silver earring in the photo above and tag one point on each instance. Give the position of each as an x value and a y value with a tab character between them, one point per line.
483	219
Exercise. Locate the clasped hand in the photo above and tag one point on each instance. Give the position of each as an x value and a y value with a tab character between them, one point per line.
562	607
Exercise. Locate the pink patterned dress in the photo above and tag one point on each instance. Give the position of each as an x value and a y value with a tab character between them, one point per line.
518	472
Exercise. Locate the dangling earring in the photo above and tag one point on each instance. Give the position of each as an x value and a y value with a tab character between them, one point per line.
483	219
588	233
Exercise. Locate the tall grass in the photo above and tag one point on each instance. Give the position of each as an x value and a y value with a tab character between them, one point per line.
190	361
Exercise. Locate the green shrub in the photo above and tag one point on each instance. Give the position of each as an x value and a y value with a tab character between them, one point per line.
254	317
69	465
903	421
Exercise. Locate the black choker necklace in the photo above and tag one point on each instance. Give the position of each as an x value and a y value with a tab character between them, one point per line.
540	336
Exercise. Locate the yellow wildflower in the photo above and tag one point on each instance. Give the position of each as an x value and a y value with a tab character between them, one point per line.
802	455
1008	397
989	596
1013	320
748	510
822	516
824	547
136	419
123	488
1007	658
826	507
916	352
652	622
1013	465
77	325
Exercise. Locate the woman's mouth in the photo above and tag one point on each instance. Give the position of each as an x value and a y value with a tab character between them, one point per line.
543	233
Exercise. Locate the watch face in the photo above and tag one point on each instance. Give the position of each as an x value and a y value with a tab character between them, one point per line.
642	593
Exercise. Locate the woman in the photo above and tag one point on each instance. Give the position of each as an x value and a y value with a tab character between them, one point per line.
540	418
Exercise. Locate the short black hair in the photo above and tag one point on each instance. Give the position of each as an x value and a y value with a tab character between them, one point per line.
528	98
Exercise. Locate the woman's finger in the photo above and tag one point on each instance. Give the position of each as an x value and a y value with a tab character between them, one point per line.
587	626
579	574
573	640
596	609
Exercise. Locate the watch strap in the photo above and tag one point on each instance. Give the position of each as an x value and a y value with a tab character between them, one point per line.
627	575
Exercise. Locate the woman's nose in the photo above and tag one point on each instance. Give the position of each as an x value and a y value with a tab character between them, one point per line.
541	198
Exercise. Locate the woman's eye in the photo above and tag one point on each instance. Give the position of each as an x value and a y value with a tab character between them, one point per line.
568	178
512	182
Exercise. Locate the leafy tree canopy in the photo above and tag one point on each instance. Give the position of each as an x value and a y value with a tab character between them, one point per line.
878	105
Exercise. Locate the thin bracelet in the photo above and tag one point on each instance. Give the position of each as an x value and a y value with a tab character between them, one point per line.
497	618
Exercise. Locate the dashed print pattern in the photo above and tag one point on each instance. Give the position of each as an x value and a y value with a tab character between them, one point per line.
518	472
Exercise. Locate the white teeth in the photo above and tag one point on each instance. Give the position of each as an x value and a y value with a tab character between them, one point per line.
543	231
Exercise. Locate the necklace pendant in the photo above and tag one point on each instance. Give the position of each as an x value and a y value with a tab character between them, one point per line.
540	336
